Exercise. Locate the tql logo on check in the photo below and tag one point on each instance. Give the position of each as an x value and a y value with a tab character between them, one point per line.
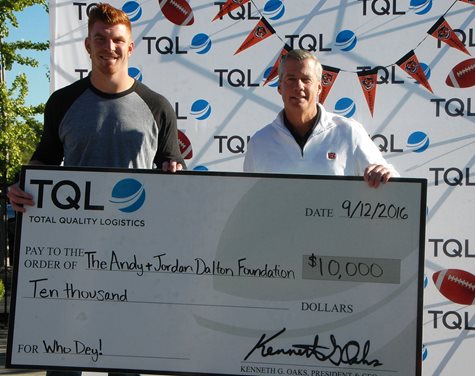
128	195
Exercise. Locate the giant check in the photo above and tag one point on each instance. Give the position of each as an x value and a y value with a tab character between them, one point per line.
202	273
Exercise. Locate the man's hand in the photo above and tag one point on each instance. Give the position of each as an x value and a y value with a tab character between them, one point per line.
374	175
18	198
171	166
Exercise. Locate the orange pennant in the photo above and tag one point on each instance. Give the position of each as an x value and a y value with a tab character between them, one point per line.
275	69
443	32
410	64
329	76
368	80
229	6
262	31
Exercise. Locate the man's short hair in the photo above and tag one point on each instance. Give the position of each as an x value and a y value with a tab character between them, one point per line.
300	55
109	15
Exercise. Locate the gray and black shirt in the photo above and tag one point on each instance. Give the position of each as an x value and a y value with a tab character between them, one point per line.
88	128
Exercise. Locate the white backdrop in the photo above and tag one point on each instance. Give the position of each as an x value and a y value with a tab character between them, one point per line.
220	101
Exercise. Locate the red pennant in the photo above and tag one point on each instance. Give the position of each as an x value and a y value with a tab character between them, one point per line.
469	1
229	6
262	31
274	72
368	80
329	75
410	64
443	32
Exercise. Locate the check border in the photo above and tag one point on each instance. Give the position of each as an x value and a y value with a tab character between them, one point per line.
422	209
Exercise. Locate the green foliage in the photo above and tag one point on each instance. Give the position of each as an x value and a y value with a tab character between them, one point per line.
20	130
8	9
10	53
2	289
19	125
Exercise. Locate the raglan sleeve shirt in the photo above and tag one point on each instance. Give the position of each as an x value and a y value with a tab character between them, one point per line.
85	127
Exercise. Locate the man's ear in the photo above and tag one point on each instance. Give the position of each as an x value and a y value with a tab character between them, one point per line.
131	47
320	87
278	88
87	45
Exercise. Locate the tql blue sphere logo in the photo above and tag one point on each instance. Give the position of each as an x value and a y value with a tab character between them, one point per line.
133	10
274	9
201	109
272	83
421	7
128	195
418	142
346	40
201	43
200	168
345	107
135	73
425	68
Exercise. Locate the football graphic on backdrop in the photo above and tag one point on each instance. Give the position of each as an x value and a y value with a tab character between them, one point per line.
462	75
185	145
177	11
456	285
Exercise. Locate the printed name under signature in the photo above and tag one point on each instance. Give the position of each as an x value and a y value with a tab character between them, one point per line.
350	353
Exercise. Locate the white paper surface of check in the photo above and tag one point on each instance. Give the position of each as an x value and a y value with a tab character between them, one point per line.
218	273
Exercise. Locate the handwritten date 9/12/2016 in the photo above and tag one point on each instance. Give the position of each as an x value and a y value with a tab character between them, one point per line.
371	210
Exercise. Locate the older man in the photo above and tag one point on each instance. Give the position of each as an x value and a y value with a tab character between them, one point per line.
306	139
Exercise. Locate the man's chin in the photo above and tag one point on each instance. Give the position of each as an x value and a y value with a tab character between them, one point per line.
298	103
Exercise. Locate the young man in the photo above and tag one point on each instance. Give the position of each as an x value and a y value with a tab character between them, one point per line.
306	139
106	119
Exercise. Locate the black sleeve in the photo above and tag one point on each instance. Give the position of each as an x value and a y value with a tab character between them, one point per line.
165	117
50	149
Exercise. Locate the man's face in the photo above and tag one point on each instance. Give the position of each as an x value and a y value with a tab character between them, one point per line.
300	86
109	47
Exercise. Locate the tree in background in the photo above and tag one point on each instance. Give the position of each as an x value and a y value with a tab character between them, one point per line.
19	125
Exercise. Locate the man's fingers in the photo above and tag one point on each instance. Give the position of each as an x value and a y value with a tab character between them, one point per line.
18	198
171	166
376	174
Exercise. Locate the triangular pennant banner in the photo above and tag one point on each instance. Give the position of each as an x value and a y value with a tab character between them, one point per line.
469	1
443	32
275	69
229	6
262	31
368	80
329	75
410	64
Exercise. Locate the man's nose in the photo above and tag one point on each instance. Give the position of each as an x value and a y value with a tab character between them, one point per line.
110	45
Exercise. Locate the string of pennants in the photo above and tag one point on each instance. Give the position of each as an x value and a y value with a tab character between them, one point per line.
409	63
